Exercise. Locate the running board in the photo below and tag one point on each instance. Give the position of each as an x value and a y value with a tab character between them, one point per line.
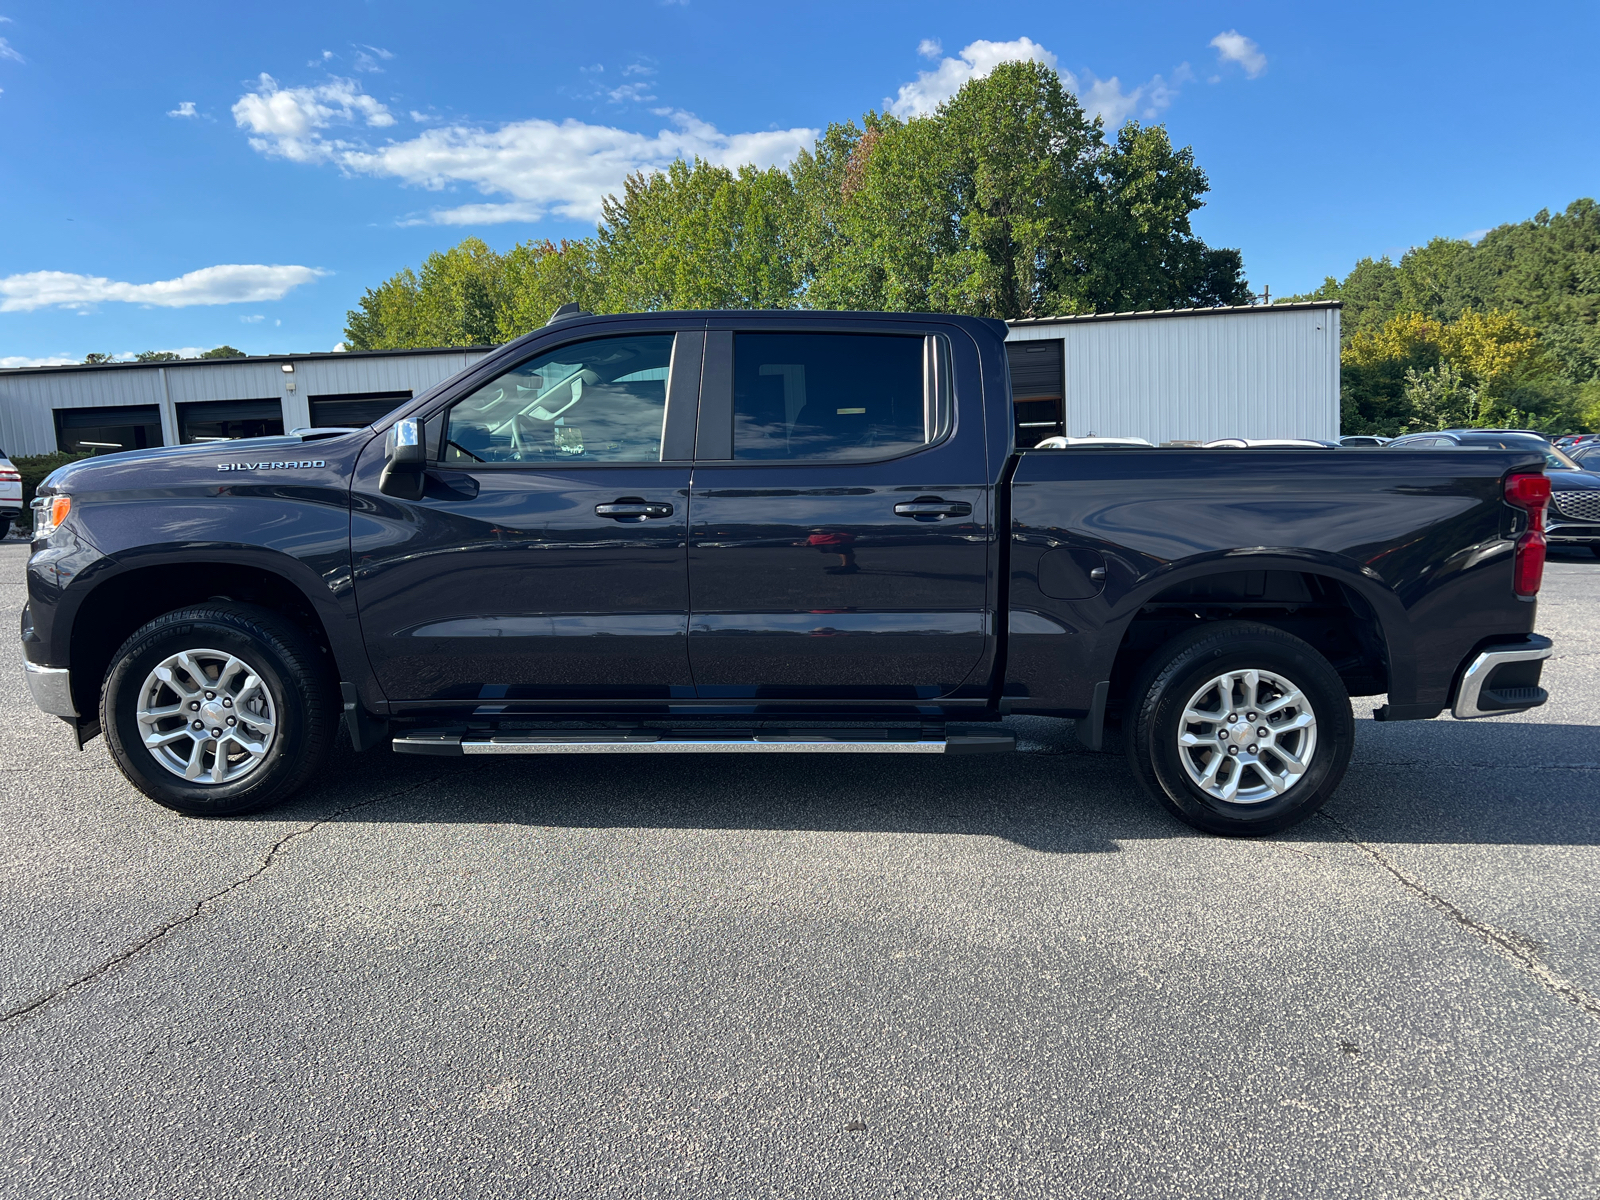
670	742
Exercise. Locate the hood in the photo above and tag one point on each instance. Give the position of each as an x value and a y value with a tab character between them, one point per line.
203	457
1574	481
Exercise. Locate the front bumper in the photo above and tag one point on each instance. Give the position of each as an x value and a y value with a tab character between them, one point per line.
1573	535
51	688
1502	679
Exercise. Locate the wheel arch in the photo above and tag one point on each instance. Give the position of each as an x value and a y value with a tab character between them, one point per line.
124	598
1376	617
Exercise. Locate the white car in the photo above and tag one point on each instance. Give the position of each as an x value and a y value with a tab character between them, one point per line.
10	494
1268	444
1079	443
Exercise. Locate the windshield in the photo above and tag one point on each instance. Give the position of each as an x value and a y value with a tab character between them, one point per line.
1555	460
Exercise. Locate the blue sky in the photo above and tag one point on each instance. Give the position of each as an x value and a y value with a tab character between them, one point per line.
182	175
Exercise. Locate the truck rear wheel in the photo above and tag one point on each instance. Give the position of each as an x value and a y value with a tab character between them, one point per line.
218	709
1240	728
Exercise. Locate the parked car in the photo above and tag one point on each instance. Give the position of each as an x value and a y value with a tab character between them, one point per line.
1084	443
10	494
1268	444
1572	441
620	533
1586	455
1364	439
1573	518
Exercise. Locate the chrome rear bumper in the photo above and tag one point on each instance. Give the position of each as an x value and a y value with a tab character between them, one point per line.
1474	696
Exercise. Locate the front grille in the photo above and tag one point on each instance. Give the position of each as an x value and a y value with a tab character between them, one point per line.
1577	506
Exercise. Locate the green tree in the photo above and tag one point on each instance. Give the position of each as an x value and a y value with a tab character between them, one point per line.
223	352
1544	272
538	277
1006	202
698	236
156	356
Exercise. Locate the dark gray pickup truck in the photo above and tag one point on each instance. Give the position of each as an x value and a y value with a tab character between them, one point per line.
766	532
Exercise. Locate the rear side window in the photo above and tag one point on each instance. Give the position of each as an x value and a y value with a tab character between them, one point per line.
834	396
596	401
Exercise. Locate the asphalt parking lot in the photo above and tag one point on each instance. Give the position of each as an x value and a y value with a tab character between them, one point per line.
811	977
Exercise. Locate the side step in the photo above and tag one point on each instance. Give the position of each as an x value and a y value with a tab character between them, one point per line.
652	741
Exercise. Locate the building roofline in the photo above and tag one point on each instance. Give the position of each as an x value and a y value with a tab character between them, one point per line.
1150	314
244	358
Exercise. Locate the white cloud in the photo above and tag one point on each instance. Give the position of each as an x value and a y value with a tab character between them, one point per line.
255	319
339	347
1104	97
975	60
535	166
53	360
1115	107
637	68
231	284
185	109
930	47
630	93
287	122
368	57
1233	46
7	51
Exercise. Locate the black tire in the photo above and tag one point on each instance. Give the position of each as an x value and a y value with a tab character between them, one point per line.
289	666
1594	548
5	527
1173	677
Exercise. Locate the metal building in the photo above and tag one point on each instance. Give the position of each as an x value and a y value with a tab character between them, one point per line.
1184	375
133	405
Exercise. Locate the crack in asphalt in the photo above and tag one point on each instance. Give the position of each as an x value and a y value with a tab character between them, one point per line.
199	906
1508	945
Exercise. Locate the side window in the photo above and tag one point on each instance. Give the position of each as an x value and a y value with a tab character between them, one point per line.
833	396
597	401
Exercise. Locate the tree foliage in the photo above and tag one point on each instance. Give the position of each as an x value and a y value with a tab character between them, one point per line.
1515	314
1008	201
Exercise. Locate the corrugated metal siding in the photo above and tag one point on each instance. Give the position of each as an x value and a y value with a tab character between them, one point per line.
1264	373
28	399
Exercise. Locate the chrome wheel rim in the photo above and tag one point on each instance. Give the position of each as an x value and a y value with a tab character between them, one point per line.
207	717
1247	737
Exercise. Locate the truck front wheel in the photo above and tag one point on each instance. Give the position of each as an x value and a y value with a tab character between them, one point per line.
218	709
1240	728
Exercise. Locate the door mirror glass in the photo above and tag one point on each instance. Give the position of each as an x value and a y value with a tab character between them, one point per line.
603	400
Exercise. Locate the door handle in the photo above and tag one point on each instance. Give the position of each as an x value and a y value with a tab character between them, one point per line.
630	509
931	508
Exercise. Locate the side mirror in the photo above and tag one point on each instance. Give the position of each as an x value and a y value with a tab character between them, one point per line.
405	461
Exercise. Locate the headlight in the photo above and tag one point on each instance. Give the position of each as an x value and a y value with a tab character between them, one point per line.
48	513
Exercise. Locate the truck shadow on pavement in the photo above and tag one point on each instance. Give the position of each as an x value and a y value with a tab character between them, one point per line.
1440	782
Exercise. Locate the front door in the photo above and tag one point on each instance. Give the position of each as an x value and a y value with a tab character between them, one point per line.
840	530
546	559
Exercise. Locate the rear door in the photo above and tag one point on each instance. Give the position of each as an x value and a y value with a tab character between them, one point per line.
546	560
840	521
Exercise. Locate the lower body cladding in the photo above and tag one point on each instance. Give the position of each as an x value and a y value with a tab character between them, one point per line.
1502	679
729	741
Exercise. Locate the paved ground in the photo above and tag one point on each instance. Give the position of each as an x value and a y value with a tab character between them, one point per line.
618	977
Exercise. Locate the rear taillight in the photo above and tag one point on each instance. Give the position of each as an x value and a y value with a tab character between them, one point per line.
1530	493
10	477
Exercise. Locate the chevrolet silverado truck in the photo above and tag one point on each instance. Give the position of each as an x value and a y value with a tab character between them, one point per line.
770	532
